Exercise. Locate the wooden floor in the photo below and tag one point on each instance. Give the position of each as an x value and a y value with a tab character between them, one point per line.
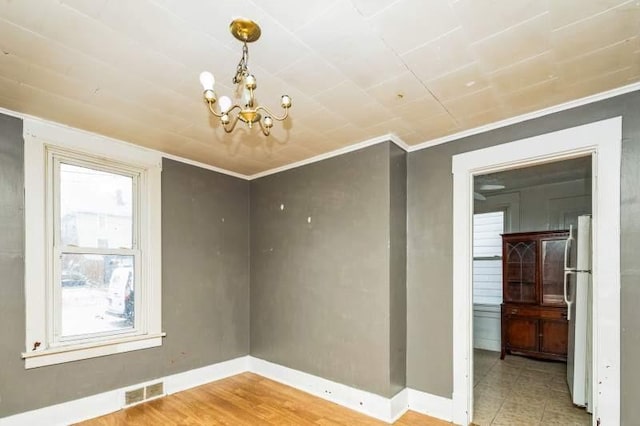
246	399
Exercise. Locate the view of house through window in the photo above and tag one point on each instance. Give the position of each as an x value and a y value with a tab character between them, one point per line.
487	257
97	249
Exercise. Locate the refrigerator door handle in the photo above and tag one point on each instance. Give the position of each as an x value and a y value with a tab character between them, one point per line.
567	272
567	245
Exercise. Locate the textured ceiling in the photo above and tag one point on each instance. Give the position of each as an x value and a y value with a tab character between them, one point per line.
354	69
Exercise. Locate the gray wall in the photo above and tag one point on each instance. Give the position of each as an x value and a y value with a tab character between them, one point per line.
320	291
429	260
205	286
398	268
322	295
205	273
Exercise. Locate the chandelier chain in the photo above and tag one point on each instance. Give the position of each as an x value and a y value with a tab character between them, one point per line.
242	70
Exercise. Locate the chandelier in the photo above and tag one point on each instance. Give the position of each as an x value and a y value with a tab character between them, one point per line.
246	31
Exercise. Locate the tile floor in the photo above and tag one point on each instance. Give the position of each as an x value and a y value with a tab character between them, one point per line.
522	391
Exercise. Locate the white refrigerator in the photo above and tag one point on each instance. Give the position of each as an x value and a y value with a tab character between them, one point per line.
578	296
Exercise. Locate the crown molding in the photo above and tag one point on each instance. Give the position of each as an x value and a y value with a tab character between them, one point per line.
205	166
389	137
369	142
528	116
120	141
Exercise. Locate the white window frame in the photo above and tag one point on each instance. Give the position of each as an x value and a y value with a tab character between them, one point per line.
43	143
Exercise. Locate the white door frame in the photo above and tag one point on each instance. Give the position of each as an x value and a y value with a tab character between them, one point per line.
602	140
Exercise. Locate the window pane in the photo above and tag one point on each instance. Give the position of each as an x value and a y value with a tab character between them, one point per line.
96	208
487	230
97	294
487	282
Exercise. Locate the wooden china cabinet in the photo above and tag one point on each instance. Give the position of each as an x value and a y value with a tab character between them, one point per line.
534	315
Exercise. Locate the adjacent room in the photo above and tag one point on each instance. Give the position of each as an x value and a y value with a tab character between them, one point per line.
324	212
523	220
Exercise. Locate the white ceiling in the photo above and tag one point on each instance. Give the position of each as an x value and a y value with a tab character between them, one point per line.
354	69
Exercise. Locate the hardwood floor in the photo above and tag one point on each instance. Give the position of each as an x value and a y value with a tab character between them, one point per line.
246	399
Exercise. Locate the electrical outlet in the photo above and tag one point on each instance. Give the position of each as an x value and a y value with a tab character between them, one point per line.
133	396
156	389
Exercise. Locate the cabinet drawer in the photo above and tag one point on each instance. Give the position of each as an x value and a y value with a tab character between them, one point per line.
555	314
534	312
521	311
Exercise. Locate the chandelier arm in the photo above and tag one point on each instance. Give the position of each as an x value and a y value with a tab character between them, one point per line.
236	106
213	111
246	31
272	115
229	127
265	131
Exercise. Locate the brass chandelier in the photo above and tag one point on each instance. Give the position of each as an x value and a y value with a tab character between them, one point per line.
246	31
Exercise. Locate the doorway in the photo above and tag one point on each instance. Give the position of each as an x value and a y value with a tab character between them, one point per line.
521	349
602	141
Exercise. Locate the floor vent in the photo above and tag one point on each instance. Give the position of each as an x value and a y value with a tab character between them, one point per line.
134	396
154	390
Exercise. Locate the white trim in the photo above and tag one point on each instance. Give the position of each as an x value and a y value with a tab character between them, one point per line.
90	143
528	116
204	166
39	136
108	402
364	402
388	410
89	135
62	354
431	405
350	148
399	405
201	376
486	344
603	140
399	142
389	137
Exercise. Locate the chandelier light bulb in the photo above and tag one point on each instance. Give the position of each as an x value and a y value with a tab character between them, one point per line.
268	122
250	82
246	96
207	80
224	119
225	103
285	101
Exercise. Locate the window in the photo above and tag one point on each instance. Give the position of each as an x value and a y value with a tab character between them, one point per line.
93	288
487	257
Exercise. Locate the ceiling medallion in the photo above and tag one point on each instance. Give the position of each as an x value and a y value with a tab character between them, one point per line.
246	31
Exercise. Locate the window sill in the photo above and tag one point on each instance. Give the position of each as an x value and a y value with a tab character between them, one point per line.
90	350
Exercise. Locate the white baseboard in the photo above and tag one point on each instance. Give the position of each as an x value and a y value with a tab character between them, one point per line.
364	402
431	405
486	344
210	373
399	404
107	402
386	409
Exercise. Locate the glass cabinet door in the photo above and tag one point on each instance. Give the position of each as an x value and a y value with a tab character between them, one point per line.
552	284
520	272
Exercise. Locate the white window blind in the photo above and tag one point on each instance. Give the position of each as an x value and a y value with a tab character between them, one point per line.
487	257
